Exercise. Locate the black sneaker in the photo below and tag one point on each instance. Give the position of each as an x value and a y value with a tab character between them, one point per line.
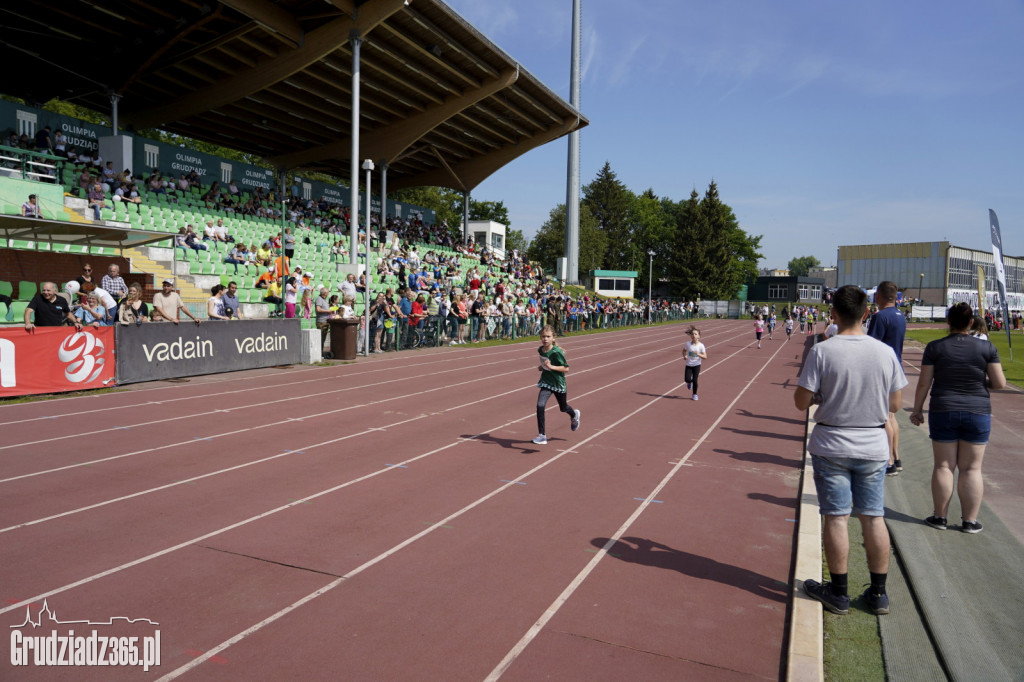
898	464
938	522
878	604
823	593
892	471
971	527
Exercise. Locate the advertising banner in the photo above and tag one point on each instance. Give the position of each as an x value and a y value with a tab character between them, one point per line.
161	350
55	359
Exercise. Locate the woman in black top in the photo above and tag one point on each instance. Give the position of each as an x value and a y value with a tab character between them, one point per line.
960	370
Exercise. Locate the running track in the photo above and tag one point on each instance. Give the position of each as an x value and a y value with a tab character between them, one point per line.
391	520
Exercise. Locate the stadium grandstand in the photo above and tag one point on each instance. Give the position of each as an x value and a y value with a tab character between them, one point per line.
306	90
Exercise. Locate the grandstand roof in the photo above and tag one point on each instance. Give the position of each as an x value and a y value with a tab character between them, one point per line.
440	103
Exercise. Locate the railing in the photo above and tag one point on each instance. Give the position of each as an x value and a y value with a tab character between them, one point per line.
28	165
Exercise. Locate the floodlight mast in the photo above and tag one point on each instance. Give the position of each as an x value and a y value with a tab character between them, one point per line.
572	193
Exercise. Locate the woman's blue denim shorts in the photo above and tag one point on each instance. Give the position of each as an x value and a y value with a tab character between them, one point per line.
950	427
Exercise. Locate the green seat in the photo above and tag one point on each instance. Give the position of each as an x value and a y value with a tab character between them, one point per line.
26	290
6	289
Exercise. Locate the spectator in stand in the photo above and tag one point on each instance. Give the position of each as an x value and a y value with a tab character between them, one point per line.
30	209
60	143
232	307
236	258
322	308
50	310
210	233
132	310
289	243
169	303
113	283
215	304
91	313
97	201
85	277
274	291
222	232
108	174
291	293
44	143
264	255
156	185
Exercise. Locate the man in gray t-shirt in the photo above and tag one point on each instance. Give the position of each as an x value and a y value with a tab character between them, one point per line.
858	381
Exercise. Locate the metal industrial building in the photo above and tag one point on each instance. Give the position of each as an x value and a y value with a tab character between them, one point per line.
936	272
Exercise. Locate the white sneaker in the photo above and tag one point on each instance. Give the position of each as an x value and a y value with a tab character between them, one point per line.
541	439
695	397
576	420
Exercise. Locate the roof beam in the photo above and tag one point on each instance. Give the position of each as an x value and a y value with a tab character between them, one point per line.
318	44
272	17
474	171
389	142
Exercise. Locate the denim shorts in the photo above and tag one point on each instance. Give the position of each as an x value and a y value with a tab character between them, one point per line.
848	485
950	427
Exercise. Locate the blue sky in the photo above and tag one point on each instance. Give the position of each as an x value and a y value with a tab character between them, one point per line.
824	124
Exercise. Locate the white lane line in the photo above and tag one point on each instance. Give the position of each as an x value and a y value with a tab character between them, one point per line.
174	674
302	449
239	524
250	406
331	375
555	606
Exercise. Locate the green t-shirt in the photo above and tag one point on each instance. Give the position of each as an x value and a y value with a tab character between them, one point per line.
553	381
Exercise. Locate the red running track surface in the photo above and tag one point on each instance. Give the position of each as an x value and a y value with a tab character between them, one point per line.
391	519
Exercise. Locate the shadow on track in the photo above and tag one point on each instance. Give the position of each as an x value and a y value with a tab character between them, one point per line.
763	458
650	553
524	446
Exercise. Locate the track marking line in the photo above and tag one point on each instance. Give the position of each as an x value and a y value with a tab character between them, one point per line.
546	617
333	584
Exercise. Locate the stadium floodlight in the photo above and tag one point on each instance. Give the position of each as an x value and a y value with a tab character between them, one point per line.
368	167
650	290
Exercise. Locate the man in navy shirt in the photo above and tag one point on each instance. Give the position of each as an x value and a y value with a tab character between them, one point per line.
890	326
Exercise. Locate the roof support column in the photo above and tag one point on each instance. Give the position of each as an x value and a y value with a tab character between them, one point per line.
114	98
465	217
383	195
356	40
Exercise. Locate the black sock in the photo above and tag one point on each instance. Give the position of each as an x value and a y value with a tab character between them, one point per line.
878	582
838	584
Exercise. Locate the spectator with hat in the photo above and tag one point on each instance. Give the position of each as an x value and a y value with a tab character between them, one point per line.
168	302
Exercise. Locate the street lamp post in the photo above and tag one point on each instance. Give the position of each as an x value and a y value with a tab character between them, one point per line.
919	285
368	167
650	290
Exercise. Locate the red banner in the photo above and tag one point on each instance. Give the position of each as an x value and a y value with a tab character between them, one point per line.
55	359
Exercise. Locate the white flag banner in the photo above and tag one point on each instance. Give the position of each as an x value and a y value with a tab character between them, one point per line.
997	257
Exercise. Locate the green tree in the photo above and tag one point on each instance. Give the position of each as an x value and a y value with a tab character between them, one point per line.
515	239
713	257
446	203
802	265
489	210
548	245
610	202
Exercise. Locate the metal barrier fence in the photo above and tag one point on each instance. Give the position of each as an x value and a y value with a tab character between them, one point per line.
435	331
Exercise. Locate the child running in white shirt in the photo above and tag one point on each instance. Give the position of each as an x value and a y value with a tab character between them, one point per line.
694	352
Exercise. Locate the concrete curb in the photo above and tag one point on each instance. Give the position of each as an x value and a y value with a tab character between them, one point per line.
805	659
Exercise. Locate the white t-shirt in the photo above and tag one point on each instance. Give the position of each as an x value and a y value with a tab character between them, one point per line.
857	374
692	359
